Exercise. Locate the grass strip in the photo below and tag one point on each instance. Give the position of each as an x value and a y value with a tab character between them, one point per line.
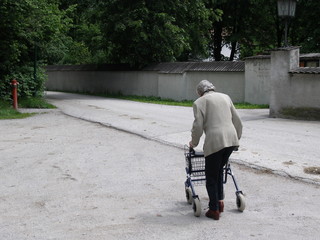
35	102
301	113
8	112
184	103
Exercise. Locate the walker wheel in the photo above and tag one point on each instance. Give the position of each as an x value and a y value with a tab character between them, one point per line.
196	205
189	195
241	204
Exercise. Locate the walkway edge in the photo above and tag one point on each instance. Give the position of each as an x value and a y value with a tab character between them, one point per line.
180	146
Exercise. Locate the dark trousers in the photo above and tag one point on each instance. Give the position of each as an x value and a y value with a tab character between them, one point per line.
214	176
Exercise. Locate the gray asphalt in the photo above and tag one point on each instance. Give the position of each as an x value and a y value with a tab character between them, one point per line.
282	146
67	178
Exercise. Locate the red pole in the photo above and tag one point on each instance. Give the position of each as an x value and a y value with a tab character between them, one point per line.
14	84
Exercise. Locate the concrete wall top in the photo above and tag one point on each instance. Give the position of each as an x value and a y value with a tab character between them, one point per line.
285	48
182	67
306	70
167	67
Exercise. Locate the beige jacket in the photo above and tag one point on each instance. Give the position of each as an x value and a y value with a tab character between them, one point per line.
215	115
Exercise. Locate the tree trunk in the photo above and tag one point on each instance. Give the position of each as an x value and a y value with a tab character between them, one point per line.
279	32
217	41
233	50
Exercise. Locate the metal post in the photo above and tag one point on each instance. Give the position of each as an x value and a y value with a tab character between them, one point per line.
286	10
14	84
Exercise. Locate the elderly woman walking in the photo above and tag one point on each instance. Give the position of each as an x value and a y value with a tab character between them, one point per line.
215	115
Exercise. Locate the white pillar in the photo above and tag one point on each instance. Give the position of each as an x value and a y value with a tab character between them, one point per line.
282	61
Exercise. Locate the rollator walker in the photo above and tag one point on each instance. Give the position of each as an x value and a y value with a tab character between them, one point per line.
195	170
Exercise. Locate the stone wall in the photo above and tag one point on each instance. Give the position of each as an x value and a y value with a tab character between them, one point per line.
276	80
292	87
177	86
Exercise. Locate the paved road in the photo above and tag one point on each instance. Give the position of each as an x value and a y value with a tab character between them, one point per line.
64	178
285	147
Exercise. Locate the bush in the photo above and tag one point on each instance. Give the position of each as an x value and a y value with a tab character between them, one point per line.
29	84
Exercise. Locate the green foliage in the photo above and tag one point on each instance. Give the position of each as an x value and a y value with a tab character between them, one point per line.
138	32
305	26
34	102
141	32
251	27
262	35
246	105
27	29
83	42
247	27
28	86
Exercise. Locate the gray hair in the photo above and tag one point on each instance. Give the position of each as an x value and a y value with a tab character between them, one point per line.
205	86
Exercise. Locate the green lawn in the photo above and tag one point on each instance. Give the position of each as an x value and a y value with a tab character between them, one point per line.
185	103
8	112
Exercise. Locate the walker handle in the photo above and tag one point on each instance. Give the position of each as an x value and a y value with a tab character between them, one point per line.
191	150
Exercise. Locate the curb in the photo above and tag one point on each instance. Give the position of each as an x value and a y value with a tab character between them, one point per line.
234	161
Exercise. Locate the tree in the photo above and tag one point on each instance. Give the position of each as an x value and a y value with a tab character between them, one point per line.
27	29
250	27
246	27
84	38
138	32
261	30
305	26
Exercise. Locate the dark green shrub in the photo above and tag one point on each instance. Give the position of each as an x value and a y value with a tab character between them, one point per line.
29	84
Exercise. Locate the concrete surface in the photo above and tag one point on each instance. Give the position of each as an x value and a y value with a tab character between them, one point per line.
282	146
69	179
290	85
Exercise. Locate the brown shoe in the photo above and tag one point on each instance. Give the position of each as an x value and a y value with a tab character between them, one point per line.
221	206
213	214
